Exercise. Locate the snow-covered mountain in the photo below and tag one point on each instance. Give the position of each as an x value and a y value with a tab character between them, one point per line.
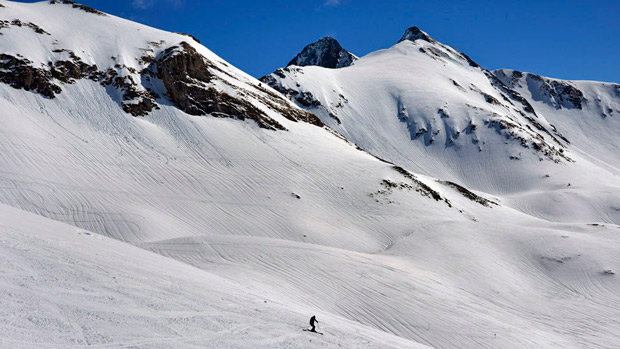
432	109
325	52
261	216
589	110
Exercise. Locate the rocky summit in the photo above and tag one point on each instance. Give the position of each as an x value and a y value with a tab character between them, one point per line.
326	53
414	33
154	195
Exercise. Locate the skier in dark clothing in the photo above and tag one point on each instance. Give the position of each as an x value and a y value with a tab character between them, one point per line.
313	321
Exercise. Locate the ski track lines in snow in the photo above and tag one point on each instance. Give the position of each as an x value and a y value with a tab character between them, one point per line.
135	195
126	189
399	97
63	287
426	297
300	218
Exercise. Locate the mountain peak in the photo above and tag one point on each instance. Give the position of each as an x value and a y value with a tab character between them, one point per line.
325	52
414	33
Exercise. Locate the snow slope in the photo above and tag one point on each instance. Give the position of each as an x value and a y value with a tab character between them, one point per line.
589	110
62	286
433	110
245	198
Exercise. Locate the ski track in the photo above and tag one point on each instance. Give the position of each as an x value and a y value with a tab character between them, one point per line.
256	230
73	293
360	286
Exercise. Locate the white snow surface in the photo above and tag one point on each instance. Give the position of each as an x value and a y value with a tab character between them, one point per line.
415	103
173	230
65	287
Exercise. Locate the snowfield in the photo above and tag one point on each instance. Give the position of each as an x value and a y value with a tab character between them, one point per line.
176	228
65	287
429	108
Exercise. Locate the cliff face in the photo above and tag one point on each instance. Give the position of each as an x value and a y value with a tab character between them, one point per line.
187	77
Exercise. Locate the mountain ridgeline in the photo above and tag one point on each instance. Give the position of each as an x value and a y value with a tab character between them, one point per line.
492	131
326	53
152	194
161	71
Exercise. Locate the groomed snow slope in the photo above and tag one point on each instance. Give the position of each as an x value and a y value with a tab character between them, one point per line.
431	109
297	217
63	287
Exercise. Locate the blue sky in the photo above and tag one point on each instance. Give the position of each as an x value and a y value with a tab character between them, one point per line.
561	39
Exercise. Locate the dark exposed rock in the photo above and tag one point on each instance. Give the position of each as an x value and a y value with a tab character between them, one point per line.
18	23
382	196
435	52
333	116
420	186
146	60
307	99
510	92
468	194
186	75
510	78
490	99
470	61
514	131
471	127
279	104
549	151
3	24
142	107
420	132
458	85
69	71
559	93
569	93
443	113
183	62
272	82
78	6
269	79
134	101
36	28
414	33
189	35
20	74
326	52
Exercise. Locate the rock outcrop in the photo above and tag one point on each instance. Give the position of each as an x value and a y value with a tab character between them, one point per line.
20	74
414	33
78	6
187	76
557	93
326	53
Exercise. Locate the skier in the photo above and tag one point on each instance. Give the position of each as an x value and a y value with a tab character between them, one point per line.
313	321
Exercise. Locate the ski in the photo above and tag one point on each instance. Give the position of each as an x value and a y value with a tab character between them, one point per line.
309	330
